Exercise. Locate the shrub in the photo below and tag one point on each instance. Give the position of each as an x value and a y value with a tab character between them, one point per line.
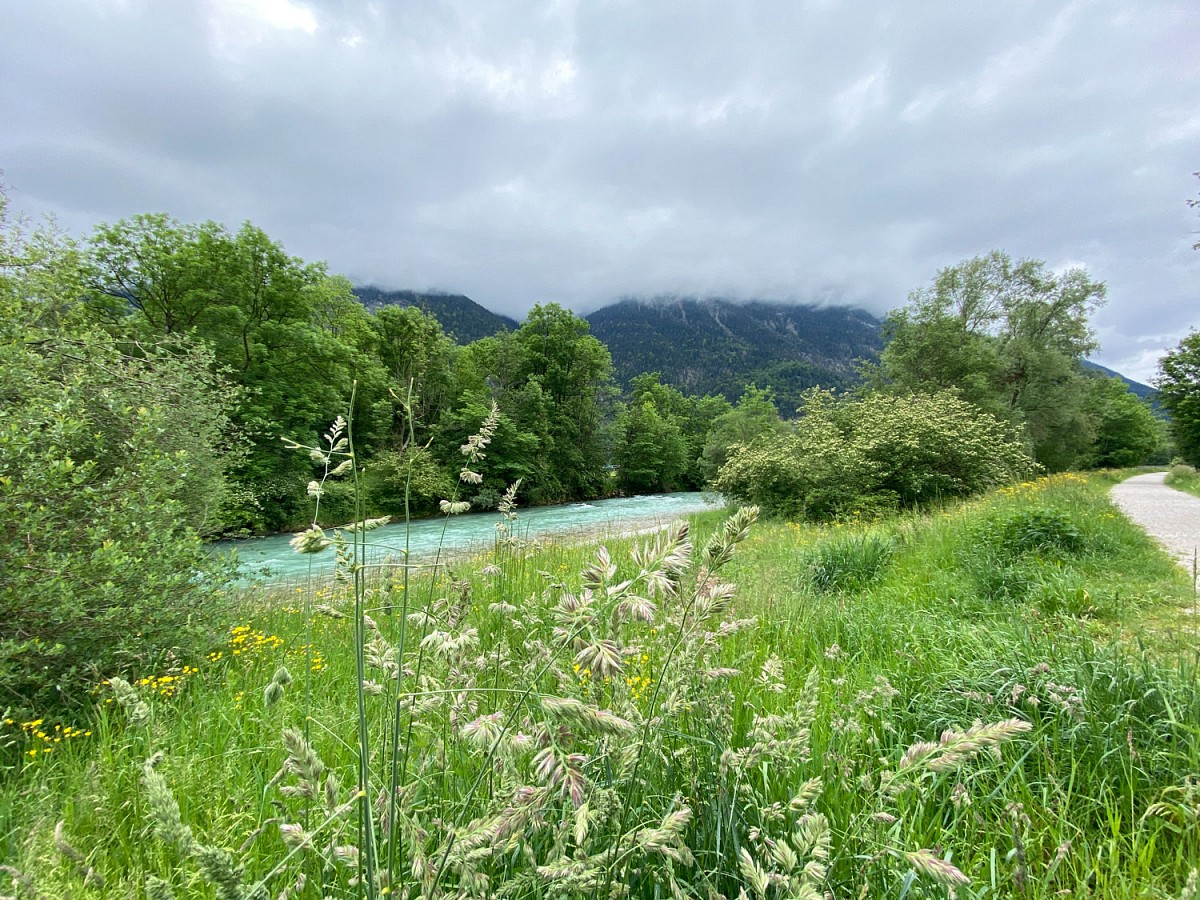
807	473
104	479
849	563
486	499
931	447
394	472
113	463
1038	530
879	452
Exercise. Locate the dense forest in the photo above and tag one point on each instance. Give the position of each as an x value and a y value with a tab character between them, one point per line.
242	345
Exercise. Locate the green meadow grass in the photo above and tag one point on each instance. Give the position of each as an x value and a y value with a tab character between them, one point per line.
1184	478
995	699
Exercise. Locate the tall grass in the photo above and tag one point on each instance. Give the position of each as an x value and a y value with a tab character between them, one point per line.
1184	478
692	713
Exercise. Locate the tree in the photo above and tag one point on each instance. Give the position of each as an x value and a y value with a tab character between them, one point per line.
168	271
1127	433
755	414
515	450
113	463
413	349
574	370
1178	384
1007	337
284	330
651	454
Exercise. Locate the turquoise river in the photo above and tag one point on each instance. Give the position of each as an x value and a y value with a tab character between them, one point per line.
273	559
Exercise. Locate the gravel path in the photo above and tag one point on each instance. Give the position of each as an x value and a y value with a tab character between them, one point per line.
1170	516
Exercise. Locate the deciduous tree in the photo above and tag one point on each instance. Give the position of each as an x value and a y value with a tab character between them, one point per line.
1178	384
1008	337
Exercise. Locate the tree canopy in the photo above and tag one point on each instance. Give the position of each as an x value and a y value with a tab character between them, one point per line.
1178	384
1007	336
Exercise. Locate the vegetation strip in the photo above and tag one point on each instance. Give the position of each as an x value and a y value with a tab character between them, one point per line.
953	697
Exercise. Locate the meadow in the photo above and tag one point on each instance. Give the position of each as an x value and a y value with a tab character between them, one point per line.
997	698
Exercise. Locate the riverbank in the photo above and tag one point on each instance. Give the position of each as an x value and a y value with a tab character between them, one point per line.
969	700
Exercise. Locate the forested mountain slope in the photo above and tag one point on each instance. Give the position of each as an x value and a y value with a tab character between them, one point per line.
719	346
1135	387
461	317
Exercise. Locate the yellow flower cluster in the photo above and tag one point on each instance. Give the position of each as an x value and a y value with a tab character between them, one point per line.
639	682
167	685
639	686
1025	488
43	737
245	640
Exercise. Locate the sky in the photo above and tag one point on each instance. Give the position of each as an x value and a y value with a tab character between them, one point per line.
579	152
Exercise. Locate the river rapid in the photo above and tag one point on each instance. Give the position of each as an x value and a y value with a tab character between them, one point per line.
273	559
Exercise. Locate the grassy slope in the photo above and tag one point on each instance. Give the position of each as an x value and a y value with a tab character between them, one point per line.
1182	479
957	626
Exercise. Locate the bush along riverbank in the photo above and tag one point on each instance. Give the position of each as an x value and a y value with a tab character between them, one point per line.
999	698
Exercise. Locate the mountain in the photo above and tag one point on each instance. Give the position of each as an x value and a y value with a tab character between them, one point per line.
461	317
709	346
718	346
1142	390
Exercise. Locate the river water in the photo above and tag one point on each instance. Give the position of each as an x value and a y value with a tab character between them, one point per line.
272	557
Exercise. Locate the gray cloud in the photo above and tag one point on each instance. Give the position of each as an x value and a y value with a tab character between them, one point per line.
578	152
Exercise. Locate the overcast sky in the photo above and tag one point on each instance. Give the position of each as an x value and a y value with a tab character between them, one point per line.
578	152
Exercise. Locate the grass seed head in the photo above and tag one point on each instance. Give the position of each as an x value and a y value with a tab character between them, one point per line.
164	809
157	889
936	868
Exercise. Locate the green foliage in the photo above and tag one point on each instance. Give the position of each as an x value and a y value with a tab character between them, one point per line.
413	350
1036	530
292	337
656	438
414	472
552	381
1184	478
875	452
1008	337
931	447
1178	384
574	373
1127	431
808	472
849	562
650	453
755	414
113	462
517	451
